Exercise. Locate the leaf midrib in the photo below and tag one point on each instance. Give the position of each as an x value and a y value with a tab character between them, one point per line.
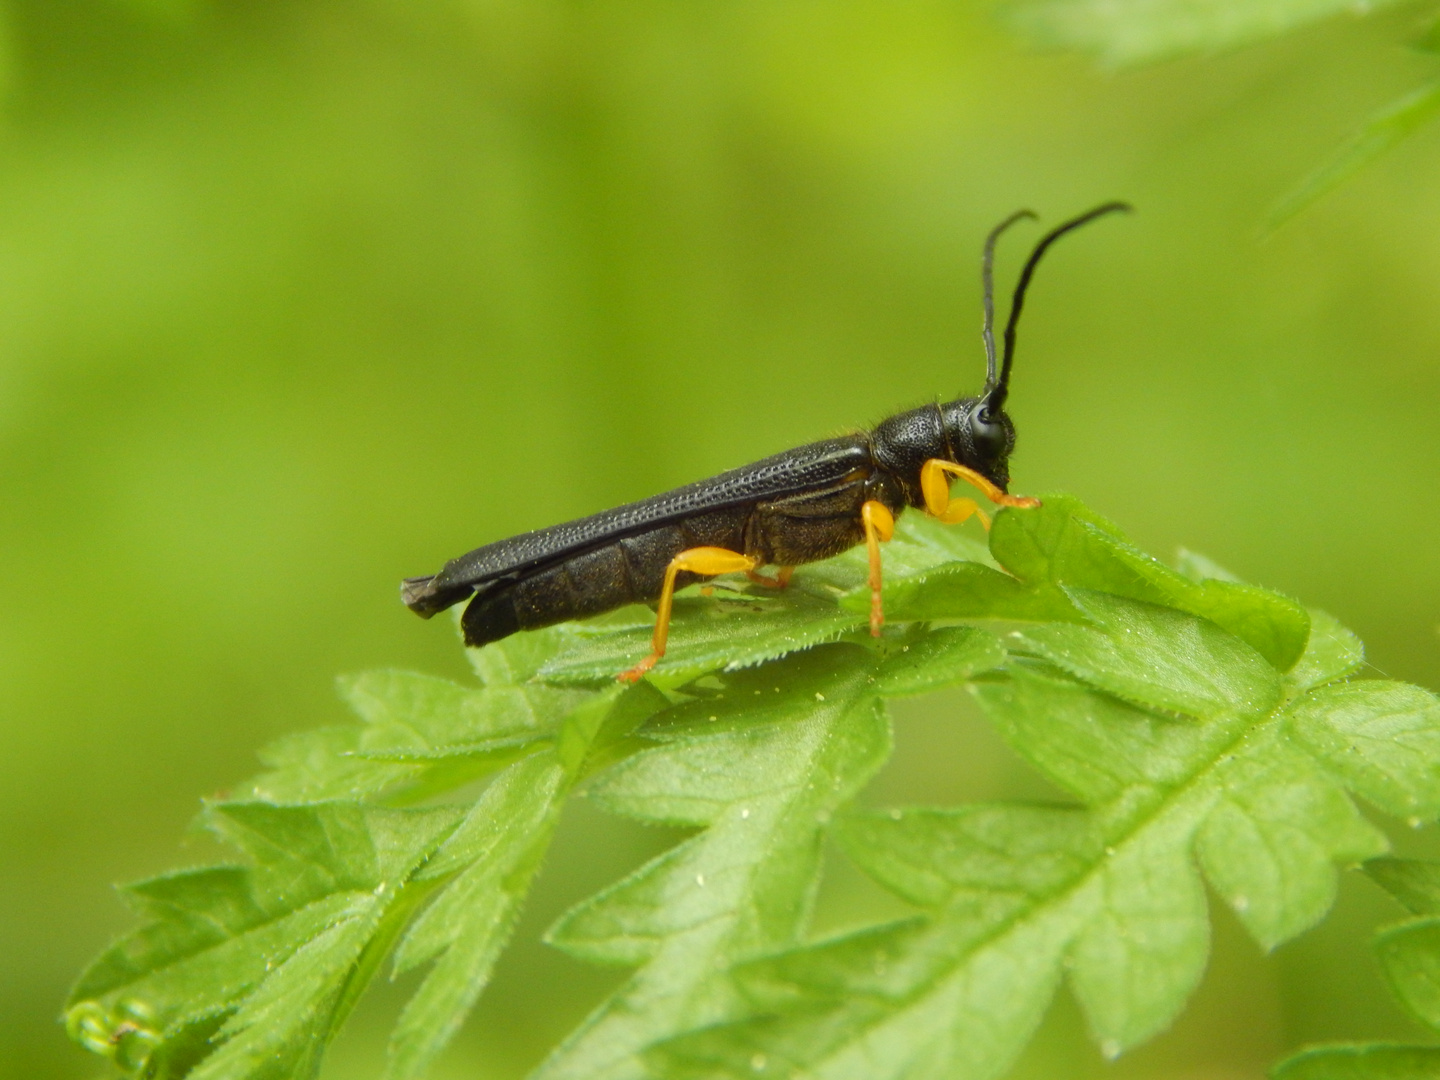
1125	831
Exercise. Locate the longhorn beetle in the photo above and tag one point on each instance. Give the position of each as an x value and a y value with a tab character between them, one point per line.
800	506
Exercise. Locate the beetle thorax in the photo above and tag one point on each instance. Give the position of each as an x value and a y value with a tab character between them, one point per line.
962	431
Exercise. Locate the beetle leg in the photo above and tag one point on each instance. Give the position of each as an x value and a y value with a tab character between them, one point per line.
879	525
960	510
700	560
779	581
935	484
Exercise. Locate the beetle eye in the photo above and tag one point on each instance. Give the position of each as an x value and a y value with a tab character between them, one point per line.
990	439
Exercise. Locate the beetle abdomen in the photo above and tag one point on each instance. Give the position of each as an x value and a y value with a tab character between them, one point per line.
628	571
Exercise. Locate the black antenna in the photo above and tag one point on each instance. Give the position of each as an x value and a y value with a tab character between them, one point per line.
995	395
987	262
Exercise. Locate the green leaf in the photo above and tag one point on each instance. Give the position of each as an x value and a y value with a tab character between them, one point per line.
1200	722
1382	738
422	734
187	912
1065	543
493	856
1139	31
1156	656
1414	882
1270	843
489	862
321	765
1332	652
1373	1061
1380	133
760	767
413	711
992	856
267	949
944	657
281	1029
1094	745
1198	567
1410	957
862	1017
965	591
1109	897
1141	934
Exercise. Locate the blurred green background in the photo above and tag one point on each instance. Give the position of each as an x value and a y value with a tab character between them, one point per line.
299	298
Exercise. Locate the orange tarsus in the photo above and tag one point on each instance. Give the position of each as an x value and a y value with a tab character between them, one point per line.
700	560
779	581
636	673
935	484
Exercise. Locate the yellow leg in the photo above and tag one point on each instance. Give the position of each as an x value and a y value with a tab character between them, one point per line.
779	581
701	560
935	484
879	525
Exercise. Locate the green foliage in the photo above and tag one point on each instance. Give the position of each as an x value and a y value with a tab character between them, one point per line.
1203	727
1409	955
1388	126
1126	32
1139	31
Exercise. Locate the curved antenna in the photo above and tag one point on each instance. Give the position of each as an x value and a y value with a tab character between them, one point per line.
995	395
987	280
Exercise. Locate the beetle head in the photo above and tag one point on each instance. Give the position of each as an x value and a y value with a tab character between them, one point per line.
980	437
